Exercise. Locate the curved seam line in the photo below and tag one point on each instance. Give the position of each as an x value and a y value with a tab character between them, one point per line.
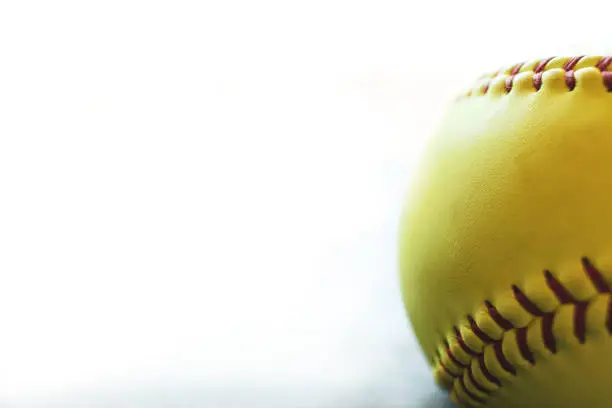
593	275
540	67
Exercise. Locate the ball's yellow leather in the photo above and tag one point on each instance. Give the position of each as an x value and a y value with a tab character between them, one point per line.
506	239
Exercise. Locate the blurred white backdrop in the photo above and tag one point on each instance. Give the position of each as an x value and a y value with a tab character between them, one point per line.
201	197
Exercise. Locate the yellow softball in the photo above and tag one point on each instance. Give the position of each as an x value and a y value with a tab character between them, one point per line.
506	239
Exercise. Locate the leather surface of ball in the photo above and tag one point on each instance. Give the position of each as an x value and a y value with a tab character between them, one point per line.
506	239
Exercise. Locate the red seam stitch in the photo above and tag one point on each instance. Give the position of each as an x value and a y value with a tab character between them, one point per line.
571	63
526	303
595	276
603	63
607	80
503	361
497	317
523	345
485	89
509	83
547	323
475	382
482	335
485	371
454	359
517	68
463	345
609	316
580	321
558	289
541	66
449	372
539	71
468	392
510	80
547	332
606	75
570	80
537	81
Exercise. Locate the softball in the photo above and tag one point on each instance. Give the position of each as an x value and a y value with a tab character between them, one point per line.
506	239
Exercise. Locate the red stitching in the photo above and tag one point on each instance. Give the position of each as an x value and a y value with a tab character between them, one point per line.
570	80
604	63
485	89
510	80
568	67
595	276
482	335
449	372
558	289
547	322
580	321
509	83
450	355
485	371
571	63
537	81
477	385
607	80
503	361
609	317
541	66
539	69
468	392
521	340
497	317
462	344
517	68
525	302
547	332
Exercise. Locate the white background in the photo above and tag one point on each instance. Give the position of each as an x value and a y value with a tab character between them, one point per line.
198	200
